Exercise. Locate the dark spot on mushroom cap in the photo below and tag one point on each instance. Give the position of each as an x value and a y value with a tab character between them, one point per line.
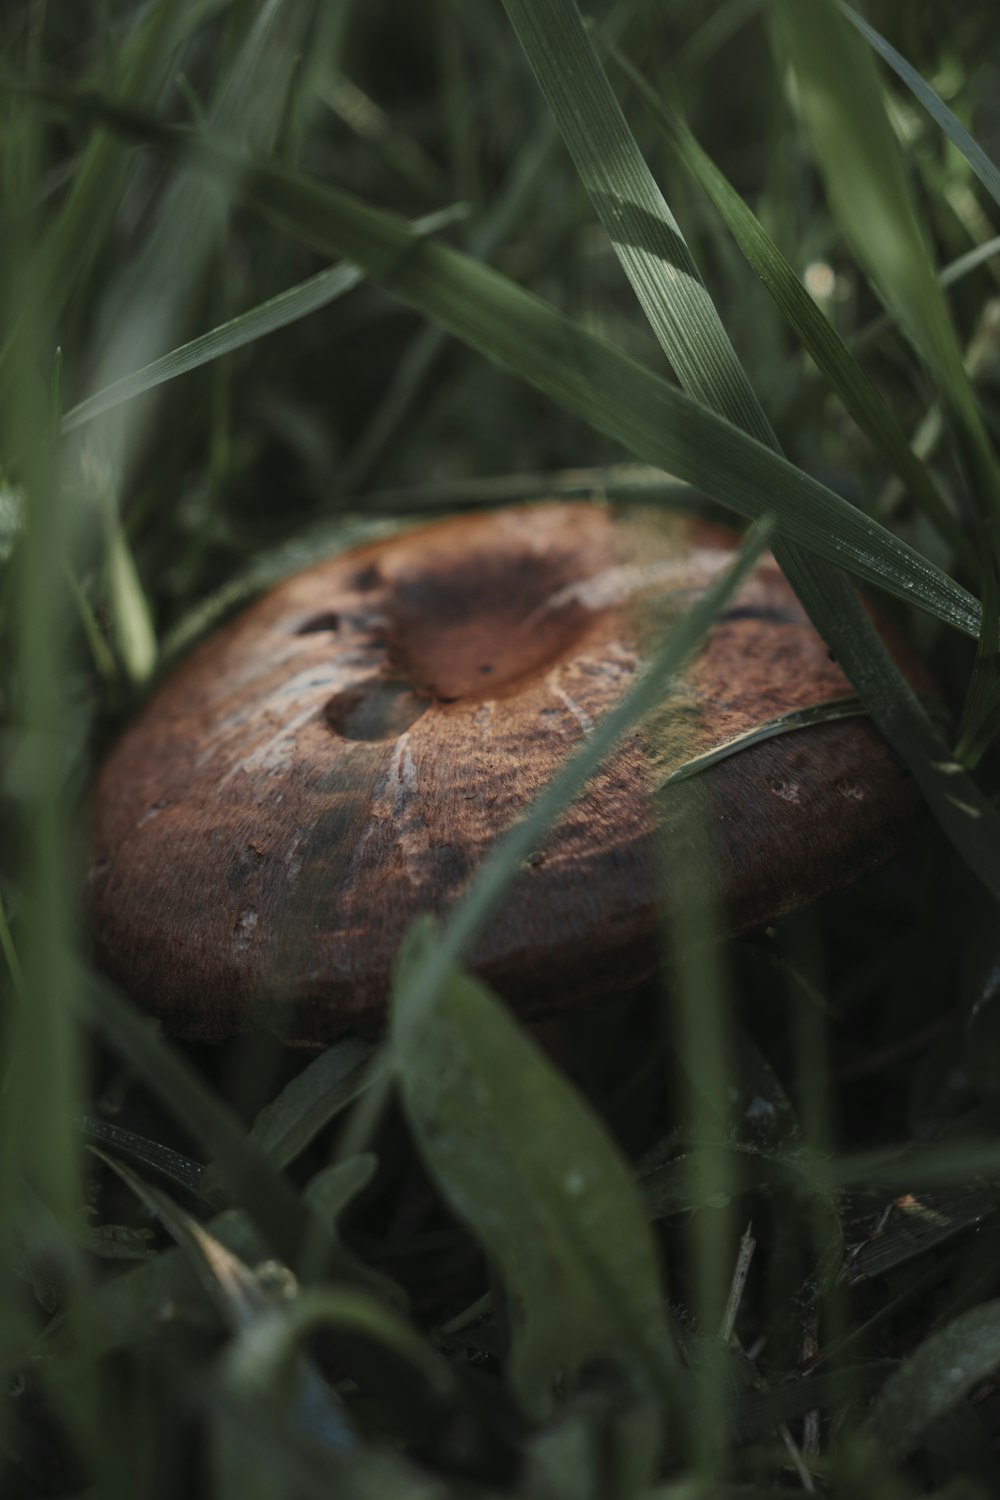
318	784
758	612
375	710
463	601
319	623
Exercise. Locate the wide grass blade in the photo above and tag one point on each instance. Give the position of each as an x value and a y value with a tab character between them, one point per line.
645	234
532	1171
946	1368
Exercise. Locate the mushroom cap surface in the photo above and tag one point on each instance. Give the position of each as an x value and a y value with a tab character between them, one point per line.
341	756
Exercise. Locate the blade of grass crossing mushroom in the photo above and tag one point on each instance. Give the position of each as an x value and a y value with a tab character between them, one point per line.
505	858
859	394
666	281
853	141
986	170
789	723
584	373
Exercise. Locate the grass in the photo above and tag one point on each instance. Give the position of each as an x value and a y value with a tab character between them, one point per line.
278	276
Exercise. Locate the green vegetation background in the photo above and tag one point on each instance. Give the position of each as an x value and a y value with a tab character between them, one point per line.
246	318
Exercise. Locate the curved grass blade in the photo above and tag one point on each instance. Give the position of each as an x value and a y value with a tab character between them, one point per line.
267	317
258	1363
306	1105
986	170
531	1170
628	482
335	1187
249	1176
922	1221
132	617
182	1171
394	1362
795	719
247	1304
859	394
945	1369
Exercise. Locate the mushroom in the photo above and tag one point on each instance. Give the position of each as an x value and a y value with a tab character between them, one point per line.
341	756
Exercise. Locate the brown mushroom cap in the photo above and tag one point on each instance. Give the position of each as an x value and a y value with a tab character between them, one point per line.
341	756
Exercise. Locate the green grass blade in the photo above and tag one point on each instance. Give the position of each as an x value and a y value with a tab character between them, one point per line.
512	200
531	1170
86	217
248	1175
955	271
133	621
656	259
986	170
945	1369
504	859
861	164
645	234
277	312
859	394
788	723
584	373
259	1363
267	317
285	1127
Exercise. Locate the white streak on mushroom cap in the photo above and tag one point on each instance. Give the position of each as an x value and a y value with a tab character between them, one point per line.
614	585
580	714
